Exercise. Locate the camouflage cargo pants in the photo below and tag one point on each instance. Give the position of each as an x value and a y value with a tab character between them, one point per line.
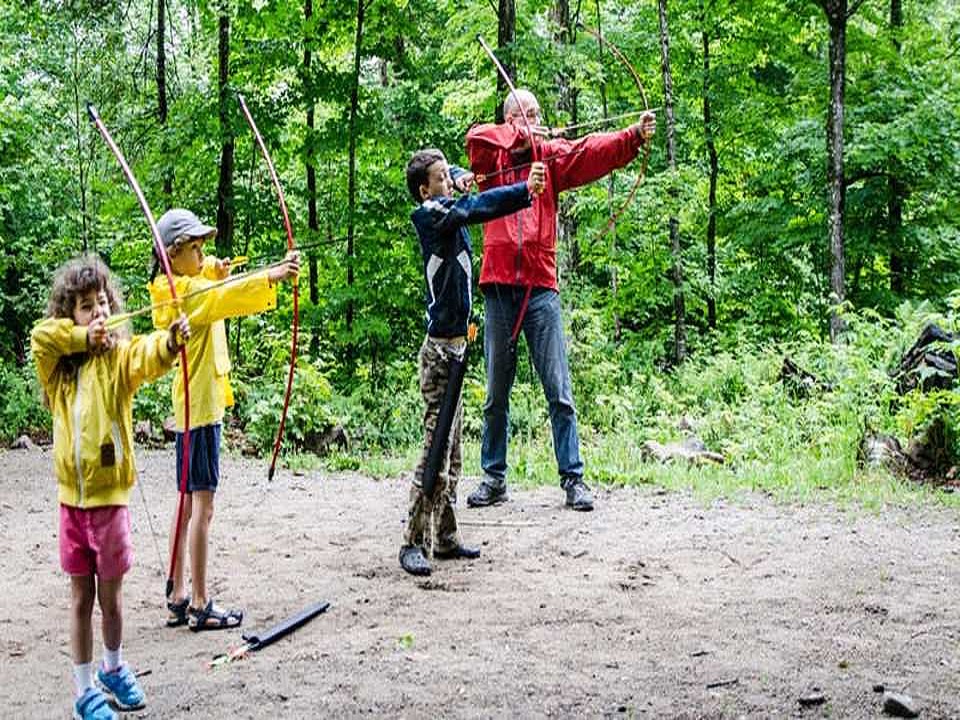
423	516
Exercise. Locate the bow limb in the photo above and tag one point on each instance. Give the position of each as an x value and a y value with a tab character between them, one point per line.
291	246
534	150
646	106
164	258
535	155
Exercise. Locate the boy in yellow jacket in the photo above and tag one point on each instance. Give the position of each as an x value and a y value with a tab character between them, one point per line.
89	376
207	304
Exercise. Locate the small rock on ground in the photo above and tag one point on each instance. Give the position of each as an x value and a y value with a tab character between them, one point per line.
899	705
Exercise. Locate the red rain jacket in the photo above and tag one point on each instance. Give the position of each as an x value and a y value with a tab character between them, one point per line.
521	249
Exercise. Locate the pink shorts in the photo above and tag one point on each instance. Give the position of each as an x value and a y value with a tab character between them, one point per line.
96	541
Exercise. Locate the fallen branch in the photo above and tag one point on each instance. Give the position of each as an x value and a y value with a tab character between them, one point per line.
498	523
692	450
722	683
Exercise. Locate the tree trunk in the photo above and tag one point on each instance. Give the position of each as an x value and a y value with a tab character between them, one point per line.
352	151
714	173
614	280
566	102
80	124
506	34
836	11
225	209
896	191
679	311
162	102
312	221
247	234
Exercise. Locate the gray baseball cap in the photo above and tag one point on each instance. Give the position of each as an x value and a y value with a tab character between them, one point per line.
177	223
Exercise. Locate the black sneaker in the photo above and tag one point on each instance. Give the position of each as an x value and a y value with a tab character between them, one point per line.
413	561
578	495
487	494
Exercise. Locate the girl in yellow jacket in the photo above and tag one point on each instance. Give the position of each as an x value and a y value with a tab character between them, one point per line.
207	303
89	376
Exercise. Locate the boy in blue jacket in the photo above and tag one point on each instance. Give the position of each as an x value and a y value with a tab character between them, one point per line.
440	222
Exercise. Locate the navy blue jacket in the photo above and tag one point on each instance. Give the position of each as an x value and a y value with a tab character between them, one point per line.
441	223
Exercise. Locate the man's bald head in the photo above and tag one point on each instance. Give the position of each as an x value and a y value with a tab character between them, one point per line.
528	101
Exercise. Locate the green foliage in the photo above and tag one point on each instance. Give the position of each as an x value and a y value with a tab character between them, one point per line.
422	82
21	410
385	412
152	401
310	416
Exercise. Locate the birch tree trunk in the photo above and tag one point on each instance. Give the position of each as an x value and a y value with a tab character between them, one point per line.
162	101
896	191
566	102
312	220
79	125
352	152
679	310
836	12
614	280
714	174
835	170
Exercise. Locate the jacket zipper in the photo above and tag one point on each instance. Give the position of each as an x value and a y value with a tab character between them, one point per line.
519	244
77	412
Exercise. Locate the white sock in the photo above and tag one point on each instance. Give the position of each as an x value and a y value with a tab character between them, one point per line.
83	677
112	658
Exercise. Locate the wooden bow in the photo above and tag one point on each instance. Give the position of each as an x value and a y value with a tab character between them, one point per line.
291	246
646	107
164	258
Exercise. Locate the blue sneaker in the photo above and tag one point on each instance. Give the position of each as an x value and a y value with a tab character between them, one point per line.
93	705
122	688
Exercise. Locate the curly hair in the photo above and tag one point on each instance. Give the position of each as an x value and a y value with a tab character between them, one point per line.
74	278
77	277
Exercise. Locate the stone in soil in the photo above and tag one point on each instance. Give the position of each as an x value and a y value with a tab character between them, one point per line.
899	705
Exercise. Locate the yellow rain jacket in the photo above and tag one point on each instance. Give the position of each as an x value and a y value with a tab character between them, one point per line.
207	356
92	409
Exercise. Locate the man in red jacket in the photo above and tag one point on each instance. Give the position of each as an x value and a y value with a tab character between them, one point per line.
519	280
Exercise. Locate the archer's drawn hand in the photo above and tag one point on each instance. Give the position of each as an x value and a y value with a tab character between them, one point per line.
646	127
99	338
539	131
537	179
221	268
179	334
463	182
287	270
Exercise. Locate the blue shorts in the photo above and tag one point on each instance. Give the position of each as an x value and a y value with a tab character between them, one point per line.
204	458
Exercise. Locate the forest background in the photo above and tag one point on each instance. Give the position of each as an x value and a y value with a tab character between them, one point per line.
802	200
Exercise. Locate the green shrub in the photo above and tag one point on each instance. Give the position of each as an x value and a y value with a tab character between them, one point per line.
310	415
152	401
21	405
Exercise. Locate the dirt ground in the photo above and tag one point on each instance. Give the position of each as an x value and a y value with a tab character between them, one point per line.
655	605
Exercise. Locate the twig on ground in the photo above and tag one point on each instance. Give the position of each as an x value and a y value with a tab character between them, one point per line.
498	523
722	683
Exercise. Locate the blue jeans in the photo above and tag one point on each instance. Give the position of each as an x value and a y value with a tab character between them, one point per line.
543	329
